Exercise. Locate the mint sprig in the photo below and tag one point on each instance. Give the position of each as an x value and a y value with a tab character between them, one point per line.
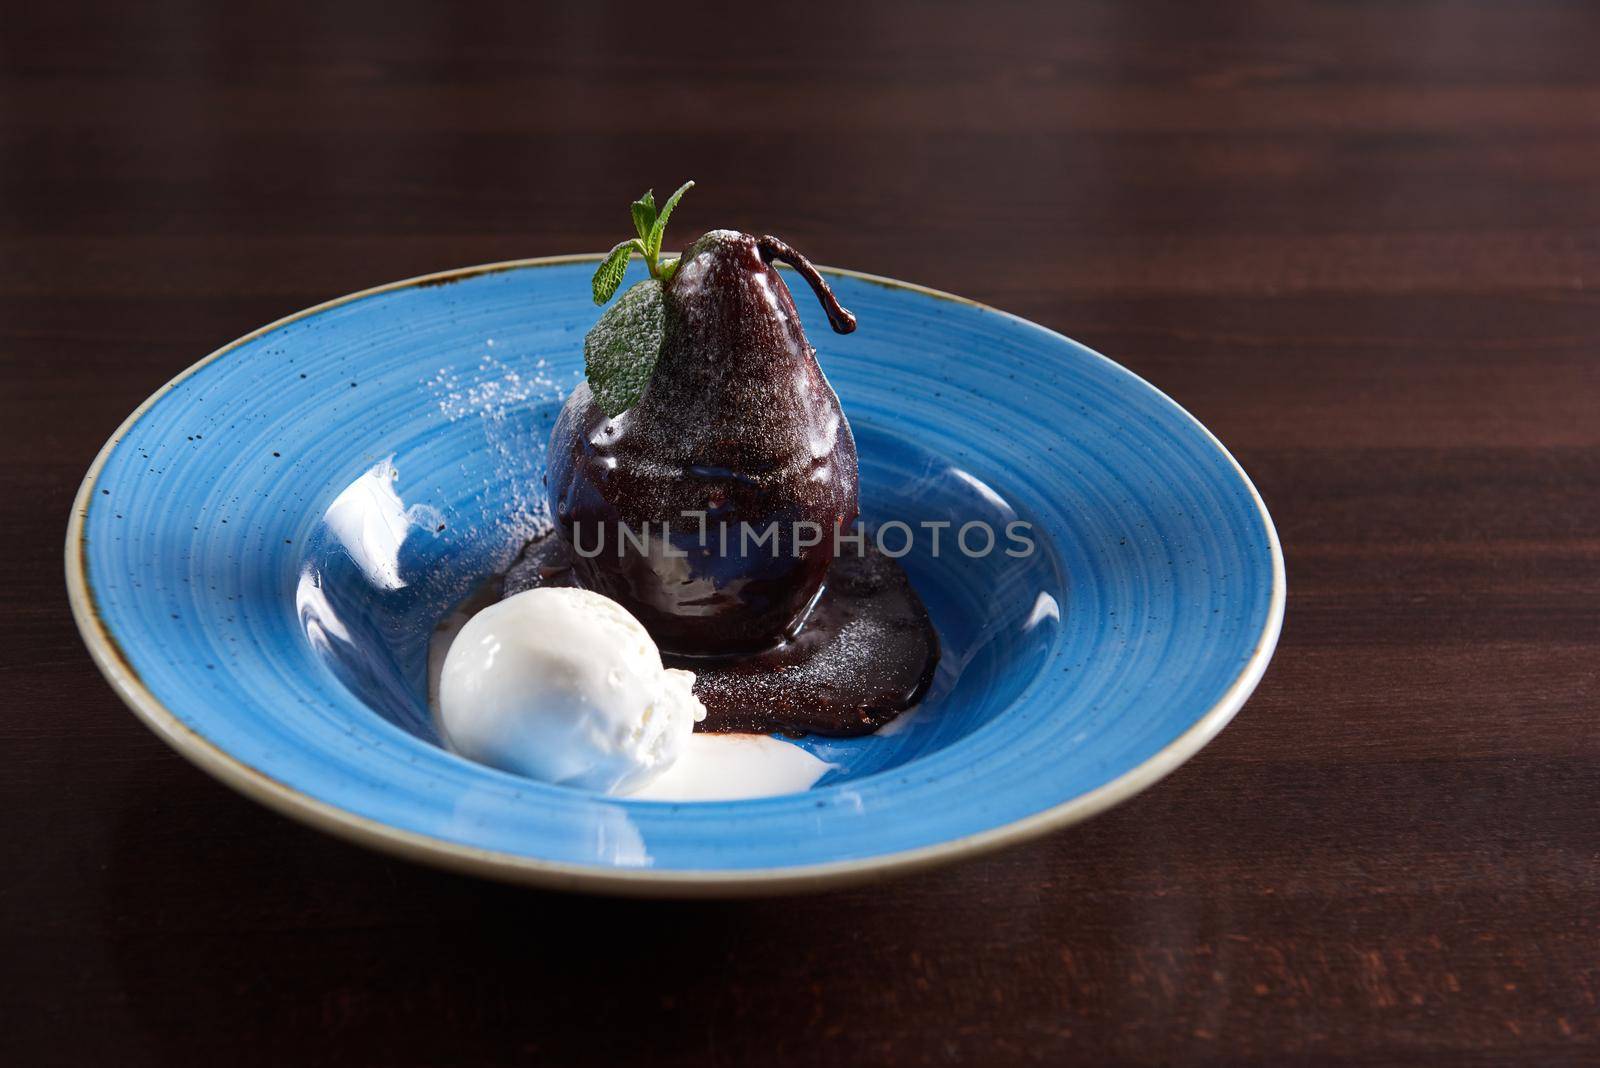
651	226
620	351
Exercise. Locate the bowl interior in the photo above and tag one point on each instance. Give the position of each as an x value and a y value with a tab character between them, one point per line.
380	572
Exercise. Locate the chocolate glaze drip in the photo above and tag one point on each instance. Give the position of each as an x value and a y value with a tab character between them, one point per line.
865	653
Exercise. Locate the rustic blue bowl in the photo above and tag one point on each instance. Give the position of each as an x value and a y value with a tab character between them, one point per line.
258	555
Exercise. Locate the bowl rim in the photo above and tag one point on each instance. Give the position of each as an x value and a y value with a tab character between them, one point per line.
256	784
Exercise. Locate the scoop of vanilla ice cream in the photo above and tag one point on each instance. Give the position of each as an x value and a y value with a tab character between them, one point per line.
565	686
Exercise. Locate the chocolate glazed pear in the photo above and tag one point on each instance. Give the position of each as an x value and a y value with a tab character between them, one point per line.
738	423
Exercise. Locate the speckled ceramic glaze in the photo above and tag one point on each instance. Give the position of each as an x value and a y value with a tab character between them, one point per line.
258	556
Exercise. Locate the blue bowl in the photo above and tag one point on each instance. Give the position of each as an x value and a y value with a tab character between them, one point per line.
258	556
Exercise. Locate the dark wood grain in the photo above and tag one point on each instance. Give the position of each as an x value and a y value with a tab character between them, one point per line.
1360	241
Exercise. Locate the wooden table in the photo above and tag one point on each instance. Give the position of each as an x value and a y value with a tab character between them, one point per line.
1360	242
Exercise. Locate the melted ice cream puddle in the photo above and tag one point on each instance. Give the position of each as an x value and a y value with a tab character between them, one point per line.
731	767
711	767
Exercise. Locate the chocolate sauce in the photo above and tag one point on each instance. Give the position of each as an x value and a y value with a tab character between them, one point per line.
864	653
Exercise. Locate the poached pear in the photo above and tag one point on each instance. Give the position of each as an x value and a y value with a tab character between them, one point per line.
708	508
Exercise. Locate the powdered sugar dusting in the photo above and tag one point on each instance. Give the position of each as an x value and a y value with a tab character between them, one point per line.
501	394
497	389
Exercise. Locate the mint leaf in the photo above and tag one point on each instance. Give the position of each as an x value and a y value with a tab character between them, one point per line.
609	275
644	214
619	353
652	243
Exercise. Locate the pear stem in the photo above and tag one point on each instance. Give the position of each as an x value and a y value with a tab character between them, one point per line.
773	249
